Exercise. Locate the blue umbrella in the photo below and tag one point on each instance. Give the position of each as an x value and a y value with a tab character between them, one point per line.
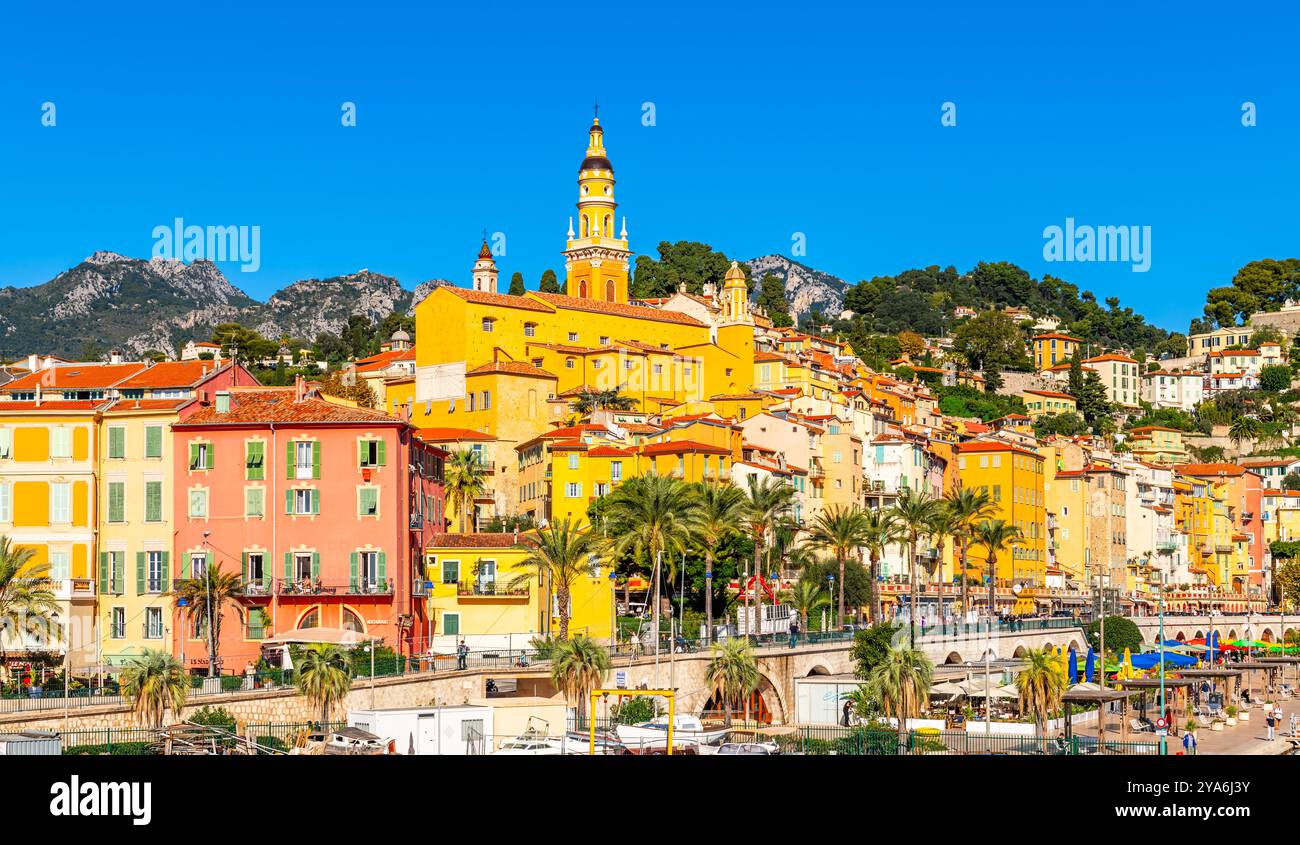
1151	659
1173	644
1090	670
1213	644
1074	667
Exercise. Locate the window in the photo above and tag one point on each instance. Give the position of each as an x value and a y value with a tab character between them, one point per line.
450	571
371	453
303	501
616	471
153	439
304	459
573	460
200	456
368	564
6	442
569	363
254	567
116	501
255	460
198	504
198	564
60	565
61	442
530	329
6	502
254	501
487	324
153	501
60	503
487	400
117	442
573	337
302	566
600	488
154	567
604	340
368	501
118	630
451	624
153	627
573	490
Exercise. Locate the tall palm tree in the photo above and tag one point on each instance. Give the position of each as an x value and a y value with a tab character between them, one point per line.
968	505
1243	427
995	535
563	553
839	530
577	667
1041	686
732	672
26	592
900	685
767	504
915	513
806	597
651	515
466	480
156	681
942	527
588	401
324	677
880	530
214	589
716	520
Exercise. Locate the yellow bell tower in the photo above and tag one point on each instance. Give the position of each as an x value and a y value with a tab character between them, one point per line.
734	302
595	260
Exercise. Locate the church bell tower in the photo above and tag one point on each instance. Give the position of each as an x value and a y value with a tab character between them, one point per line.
595	259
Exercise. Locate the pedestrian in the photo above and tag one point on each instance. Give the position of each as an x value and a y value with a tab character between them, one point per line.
1189	743
462	655
848	710
794	632
1269	721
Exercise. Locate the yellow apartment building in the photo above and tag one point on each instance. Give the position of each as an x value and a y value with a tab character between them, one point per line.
1053	348
1014	478
1157	445
1040	402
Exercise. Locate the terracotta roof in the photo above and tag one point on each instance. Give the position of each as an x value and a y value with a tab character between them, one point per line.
728	397
480	297
603	451
75	376
384	360
443	435
518	368
478	541
1109	356
1204	470
673	447
1274	462
1145	428
574	303
53	405
170	374
994	446
1056	336
1050	394
265	405
126	406
1226	352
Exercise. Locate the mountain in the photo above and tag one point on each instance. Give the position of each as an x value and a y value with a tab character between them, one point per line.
806	289
136	306
422	290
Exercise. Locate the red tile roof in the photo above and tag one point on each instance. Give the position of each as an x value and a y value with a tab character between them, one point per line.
1056	336
170	374
384	360
1109	356
574	303
1050	394
518	368
54	405
673	447
1206	470
126	406
265	405
444	435
75	377
505	300
478	541
994	446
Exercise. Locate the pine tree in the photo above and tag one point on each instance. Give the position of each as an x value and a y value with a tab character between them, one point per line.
517	284
549	283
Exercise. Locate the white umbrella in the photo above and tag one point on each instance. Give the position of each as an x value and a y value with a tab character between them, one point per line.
948	689
976	688
328	636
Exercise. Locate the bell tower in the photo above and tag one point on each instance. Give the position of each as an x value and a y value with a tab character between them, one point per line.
595	259
734	302
485	270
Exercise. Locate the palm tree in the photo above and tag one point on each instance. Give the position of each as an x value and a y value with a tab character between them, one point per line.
900	685
1041	686
808	597
880	530
915	512
839	530
577	667
1243	427
563	554
651	515
716	520
156	681
942	526
732	672
26	594
324	677
767	504
968	506
588	401
466	480
995	535
214	589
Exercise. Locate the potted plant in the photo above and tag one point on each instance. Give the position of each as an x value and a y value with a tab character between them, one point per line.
1231	712
1244	714
1216	725
1190	727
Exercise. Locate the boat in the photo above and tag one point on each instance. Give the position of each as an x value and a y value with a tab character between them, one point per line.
687	731
529	746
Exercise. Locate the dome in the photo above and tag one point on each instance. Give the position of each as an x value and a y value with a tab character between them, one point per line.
596	163
734	277
485	252
400	335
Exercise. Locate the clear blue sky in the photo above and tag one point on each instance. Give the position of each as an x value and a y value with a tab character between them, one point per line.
770	121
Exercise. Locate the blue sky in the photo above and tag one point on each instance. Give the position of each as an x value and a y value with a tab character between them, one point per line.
817	119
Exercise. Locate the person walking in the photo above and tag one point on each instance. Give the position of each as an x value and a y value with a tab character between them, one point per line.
1269	721
794	633
1189	743
462	655
1294	720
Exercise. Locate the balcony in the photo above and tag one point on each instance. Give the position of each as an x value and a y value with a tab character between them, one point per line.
73	589
1168	546
417	522
490	590
316	587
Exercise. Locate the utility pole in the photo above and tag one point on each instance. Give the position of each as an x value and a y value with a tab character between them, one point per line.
1164	747
658	560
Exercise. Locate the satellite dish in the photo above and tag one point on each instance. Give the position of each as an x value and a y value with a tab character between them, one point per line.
1015	589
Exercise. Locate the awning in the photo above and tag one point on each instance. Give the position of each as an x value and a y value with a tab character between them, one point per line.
326	636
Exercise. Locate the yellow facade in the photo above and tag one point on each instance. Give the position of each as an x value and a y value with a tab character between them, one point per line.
1014	478
1067	504
475	595
1052	349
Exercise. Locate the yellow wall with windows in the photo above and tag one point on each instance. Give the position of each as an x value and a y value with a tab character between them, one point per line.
1015	480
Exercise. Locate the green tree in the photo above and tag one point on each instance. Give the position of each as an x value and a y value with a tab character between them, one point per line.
1288	581
915	513
840	531
968	506
1091	399
466	480
1275	378
648	516
588	401
716	520
154	681
1121	633
767	504
996	536
733	673
577	667
871	645
1244	428
206	598
26	593
807	597
1041	686
771	298
900	685
517	284
549	284
880	530
561	555
991	340
324	678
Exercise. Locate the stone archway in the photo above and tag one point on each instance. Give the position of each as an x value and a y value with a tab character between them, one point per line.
817	670
1266	635
953	657
1019	652
771	697
1074	646
1200	635
1181	637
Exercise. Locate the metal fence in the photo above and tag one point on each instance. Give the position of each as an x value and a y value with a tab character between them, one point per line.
875	741
128	742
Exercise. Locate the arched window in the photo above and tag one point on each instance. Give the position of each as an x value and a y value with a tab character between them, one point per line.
609	290
352	622
582	288
586	225
608	227
311	619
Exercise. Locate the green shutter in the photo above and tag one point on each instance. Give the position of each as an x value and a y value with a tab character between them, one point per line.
153	441
212	447
288	460
139	573
243	559
288	566
288	501
194	456
103	573
166	570
315	501
315	459
361	453
118	587
255	460
383	572
116	503
382	450
315	564
352	578
117	443
153	501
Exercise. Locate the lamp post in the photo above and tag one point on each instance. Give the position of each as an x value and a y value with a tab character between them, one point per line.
1164	749
830	581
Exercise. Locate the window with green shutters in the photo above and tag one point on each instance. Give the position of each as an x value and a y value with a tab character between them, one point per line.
116	501
255	460
302	501
153	437
254	501
141	567
103	573
368	501
153	501
451	624
302	459
117	442
370	453
117	572
200	456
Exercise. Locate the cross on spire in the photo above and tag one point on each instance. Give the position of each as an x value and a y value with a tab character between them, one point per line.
596	108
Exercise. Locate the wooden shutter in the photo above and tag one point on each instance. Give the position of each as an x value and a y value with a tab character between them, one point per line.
315	564
243	559
315	501
288	501
288	459
383	571
212	447
354	571
153	442
382	450
139	573
166	569
194	456
315	459
118	586
288	566
103	573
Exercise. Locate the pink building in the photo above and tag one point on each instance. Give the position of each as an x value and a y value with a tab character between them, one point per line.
323	508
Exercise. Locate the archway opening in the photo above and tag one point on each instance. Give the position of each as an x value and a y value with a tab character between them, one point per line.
953	657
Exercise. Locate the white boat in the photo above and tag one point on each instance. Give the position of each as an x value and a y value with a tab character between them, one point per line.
687	730
529	746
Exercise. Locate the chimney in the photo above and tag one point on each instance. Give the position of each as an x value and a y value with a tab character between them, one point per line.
223	401
32	363
115	357
299	388
38	394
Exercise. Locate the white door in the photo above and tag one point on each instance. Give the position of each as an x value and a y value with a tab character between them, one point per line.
426	735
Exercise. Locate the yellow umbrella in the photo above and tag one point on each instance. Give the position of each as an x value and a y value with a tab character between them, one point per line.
1127	671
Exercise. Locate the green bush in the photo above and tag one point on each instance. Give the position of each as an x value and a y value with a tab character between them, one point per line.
634	711
271	742
1121	633
117	749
